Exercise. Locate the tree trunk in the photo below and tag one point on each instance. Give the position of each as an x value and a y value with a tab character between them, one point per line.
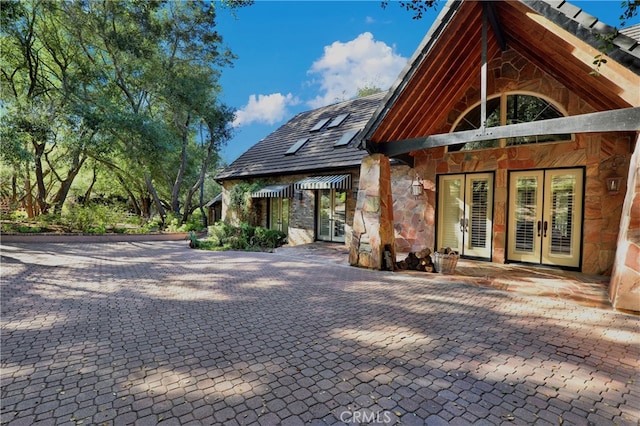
154	194
41	194
65	185
87	194
175	193
28	198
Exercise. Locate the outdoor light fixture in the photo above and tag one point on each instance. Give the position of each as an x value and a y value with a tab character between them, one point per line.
614	180
613	184
416	186
300	195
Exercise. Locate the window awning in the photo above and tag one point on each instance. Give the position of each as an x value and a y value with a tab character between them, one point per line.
325	182
216	199
274	191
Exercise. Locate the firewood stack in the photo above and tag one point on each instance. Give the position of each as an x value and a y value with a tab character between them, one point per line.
417	261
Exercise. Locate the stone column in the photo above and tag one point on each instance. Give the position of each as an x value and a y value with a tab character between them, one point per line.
373	218
624	287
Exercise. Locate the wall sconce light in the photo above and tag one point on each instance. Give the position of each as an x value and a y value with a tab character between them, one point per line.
614	181
355	193
613	184
416	186
300	195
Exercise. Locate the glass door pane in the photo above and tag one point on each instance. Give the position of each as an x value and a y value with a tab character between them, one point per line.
339	214
324	214
525	216
478	215
451	220
275	214
285	215
562	216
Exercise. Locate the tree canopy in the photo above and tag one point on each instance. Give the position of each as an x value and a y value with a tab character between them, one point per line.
125	90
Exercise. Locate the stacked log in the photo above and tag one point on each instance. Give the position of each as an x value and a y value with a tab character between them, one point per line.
417	261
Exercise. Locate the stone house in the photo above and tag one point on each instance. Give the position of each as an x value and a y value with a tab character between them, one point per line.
302	176
524	145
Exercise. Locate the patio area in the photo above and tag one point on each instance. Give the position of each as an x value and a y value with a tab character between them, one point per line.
585	289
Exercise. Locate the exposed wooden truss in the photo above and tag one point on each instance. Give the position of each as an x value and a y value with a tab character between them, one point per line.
621	120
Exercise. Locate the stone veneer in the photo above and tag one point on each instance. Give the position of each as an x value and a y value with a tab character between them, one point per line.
373	216
624	287
412	215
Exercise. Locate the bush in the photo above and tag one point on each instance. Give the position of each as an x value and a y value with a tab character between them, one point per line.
222	236
268	238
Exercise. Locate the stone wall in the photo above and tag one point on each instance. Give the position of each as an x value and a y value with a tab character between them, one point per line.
602	211
413	217
373	230
624	288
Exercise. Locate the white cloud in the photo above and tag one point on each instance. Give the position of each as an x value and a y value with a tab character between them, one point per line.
346	67
265	109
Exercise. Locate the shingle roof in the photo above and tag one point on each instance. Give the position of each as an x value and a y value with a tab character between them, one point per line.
632	32
624	48
267	157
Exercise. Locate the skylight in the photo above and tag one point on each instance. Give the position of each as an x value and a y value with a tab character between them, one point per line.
296	146
337	121
319	124
346	138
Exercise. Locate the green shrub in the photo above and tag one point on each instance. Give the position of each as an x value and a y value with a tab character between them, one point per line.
26	229
18	215
268	238
243	237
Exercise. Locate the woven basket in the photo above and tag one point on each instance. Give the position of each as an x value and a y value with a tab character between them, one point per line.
445	263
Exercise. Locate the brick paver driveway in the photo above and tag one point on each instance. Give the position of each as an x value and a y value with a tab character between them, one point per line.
153	332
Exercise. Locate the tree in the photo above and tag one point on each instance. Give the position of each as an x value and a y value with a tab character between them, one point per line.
39	75
123	83
366	90
419	7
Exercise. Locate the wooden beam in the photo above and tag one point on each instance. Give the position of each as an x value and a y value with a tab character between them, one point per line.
620	120
495	25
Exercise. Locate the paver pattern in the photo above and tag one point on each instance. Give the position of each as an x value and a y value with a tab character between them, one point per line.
149	333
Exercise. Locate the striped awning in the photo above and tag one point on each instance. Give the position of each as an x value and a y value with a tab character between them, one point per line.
325	182
274	191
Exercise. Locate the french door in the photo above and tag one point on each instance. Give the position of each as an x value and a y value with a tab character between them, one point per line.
331	214
465	212
279	214
545	217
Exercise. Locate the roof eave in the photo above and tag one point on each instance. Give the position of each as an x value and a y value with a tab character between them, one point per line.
433	35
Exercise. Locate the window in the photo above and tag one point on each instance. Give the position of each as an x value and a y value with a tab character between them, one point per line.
337	121
296	146
319	124
509	109
345	139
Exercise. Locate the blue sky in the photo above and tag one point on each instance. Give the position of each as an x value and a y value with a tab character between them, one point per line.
295	56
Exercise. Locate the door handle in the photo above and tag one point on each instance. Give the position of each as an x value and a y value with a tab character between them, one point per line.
464	224
539	228
461	222
546	224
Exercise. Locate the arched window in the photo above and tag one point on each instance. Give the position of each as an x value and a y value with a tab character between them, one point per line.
509	109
